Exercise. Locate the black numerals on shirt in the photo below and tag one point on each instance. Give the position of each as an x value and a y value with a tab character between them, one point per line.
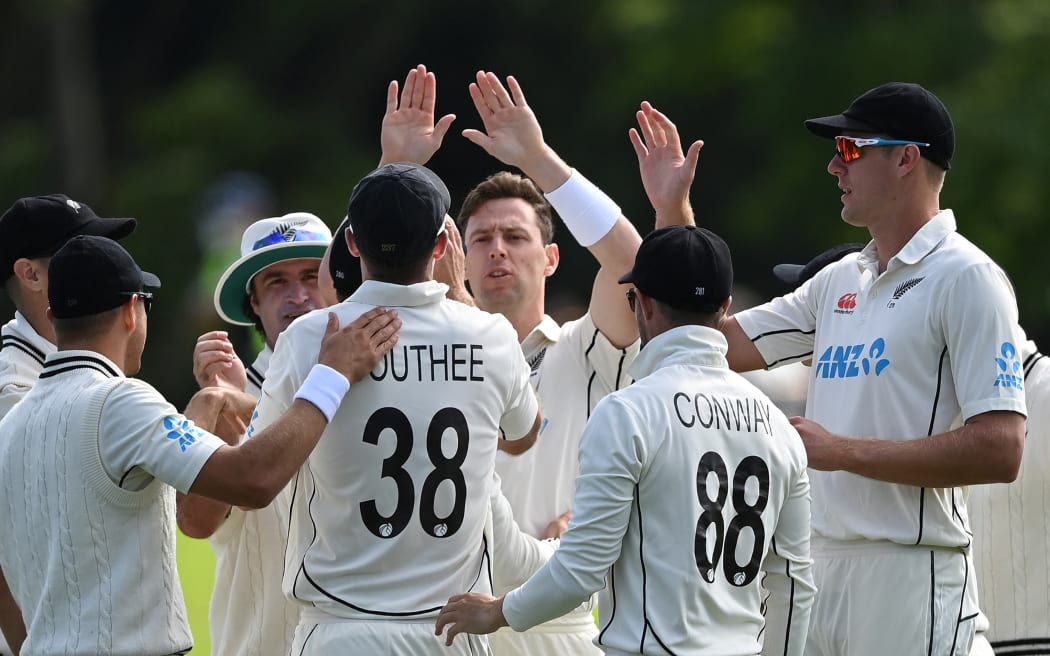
445	469
748	515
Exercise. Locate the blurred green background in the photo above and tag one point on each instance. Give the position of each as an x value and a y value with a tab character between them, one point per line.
198	116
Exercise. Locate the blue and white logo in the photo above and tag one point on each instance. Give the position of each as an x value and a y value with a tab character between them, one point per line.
183	431
251	424
1009	367
853	360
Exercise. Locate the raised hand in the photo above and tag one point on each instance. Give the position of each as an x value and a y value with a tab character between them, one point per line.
409	133
215	364
667	173
512	132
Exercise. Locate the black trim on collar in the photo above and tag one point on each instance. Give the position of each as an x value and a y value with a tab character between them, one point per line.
254	376
12	341
61	365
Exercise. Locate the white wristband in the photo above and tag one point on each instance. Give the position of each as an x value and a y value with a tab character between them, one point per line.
587	211
324	387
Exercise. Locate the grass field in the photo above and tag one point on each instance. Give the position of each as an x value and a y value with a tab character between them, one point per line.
197	572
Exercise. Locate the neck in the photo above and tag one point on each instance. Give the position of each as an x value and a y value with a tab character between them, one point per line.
524	321
106	346
894	233
36	314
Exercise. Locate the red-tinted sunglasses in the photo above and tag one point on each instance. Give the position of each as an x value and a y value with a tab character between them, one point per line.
849	148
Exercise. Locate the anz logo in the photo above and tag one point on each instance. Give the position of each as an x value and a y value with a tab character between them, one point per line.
1009	362
853	360
182	431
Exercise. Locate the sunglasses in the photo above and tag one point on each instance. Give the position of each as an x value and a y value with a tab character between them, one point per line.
145	297
631	295
849	148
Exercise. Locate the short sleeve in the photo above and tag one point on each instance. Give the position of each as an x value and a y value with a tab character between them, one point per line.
142	437
984	341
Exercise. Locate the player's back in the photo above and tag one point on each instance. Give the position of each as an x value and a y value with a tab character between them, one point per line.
720	464
389	510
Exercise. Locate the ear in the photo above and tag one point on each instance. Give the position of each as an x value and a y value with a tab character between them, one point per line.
440	246
646	303
351	244
32	273
910	159
128	315
725	306
553	258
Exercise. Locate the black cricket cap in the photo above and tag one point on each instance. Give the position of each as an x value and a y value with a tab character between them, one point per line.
397	211
899	110
344	268
796	274
686	267
90	275
37	226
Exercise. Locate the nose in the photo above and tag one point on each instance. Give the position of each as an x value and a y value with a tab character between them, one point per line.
298	292
497	249
836	166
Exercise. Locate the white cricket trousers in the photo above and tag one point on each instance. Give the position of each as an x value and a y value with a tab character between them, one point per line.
879	598
326	636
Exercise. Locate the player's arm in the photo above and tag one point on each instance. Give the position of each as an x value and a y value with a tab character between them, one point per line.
515	555
524	443
742	355
226	415
11	622
986	449
789	575
513	135
609	470
252	473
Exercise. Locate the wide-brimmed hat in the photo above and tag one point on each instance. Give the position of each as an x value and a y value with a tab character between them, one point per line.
265	242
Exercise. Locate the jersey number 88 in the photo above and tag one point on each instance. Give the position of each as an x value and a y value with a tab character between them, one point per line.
748	515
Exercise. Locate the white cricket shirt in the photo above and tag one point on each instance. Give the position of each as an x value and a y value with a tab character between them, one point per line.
22	353
573	367
688	478
898	356
1011	534
388	512
249	614
89	542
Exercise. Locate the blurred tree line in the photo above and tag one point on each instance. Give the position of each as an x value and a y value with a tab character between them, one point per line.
183	113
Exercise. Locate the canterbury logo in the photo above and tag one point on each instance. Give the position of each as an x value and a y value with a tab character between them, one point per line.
847	302
905	286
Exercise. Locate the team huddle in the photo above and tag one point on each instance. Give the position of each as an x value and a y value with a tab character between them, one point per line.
420	460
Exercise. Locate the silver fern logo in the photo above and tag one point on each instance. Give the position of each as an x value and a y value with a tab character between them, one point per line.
902	289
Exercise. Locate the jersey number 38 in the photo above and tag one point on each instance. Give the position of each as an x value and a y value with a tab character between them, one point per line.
445	469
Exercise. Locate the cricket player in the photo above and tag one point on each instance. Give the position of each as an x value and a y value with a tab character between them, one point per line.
388	517
274	282
31	231
917	329
693	493
507	223
90	457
